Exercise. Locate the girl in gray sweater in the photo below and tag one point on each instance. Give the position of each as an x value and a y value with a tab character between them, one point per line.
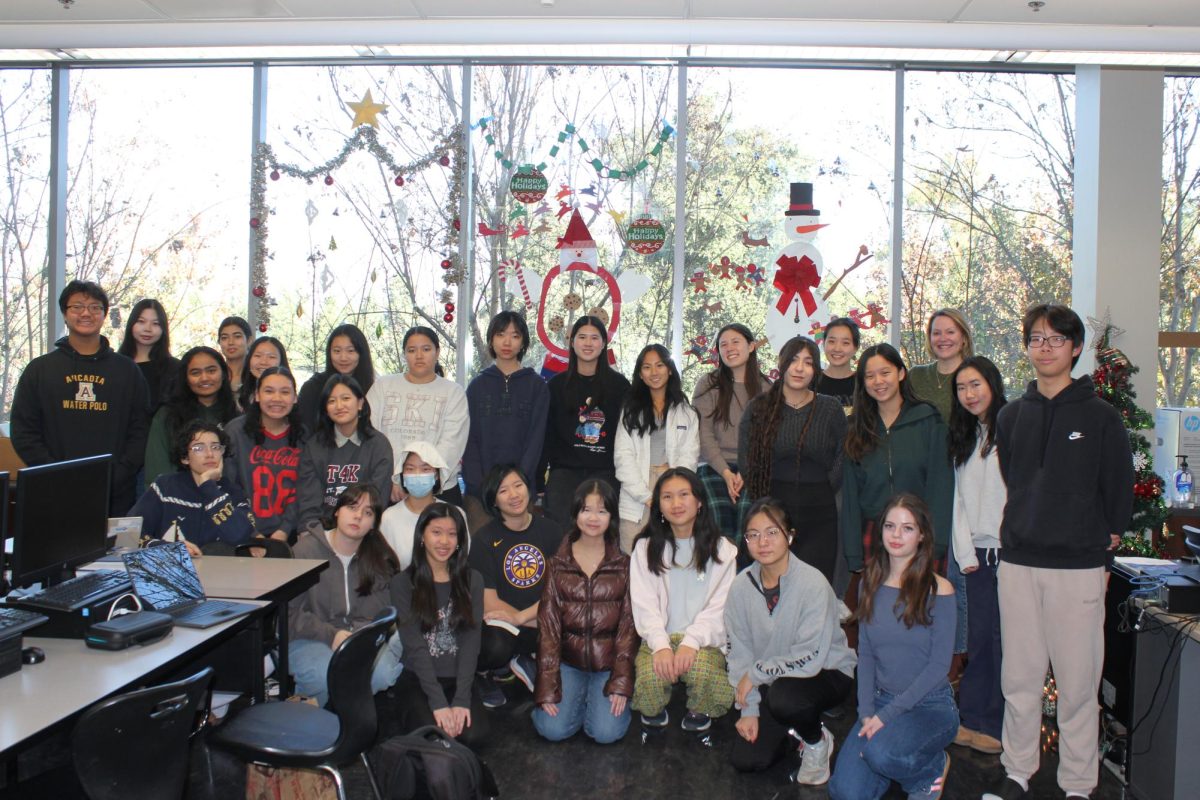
788	657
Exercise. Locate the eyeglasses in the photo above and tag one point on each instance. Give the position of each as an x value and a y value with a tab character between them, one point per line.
200	447
1054	341
91	308
767	535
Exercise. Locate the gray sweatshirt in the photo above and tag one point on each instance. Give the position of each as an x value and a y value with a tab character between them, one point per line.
326	471
333	603
801	637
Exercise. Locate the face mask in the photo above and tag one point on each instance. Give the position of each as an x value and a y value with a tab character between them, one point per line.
420	485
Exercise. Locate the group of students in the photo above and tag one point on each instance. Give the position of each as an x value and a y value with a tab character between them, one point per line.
661	500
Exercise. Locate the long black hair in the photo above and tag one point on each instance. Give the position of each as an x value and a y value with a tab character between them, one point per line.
377	562
325	426
364	373
766	411
249	382
253	423
160	351
638	413
863	435
182	404
721	380
965	426
657	533
608	497
420	574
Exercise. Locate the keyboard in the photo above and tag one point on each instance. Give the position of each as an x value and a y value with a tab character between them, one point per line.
203	611
80	591
17	620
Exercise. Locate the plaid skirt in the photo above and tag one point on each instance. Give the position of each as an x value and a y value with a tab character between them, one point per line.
729	515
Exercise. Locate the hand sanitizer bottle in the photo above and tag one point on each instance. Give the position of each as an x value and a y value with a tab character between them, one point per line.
1183	484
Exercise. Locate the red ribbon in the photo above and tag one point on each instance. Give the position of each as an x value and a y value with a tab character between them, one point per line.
796	277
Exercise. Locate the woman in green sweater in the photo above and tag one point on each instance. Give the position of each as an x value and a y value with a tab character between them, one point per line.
896	443
202	392
948	337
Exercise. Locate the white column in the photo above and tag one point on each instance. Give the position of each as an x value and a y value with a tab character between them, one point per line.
1118	216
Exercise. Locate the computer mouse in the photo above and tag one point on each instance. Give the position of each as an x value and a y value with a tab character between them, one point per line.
33	655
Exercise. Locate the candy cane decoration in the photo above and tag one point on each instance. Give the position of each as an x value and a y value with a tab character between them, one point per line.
520	276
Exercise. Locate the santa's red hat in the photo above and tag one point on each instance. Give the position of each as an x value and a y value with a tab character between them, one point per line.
577	236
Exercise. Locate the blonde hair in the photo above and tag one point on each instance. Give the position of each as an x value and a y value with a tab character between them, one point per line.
957	317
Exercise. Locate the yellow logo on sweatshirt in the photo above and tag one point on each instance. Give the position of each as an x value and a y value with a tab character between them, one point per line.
85	397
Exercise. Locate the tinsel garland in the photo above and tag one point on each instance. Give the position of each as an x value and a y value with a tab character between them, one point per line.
449	152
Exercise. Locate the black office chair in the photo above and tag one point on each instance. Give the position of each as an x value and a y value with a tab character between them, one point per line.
302	735
1192	540
273	547
137	744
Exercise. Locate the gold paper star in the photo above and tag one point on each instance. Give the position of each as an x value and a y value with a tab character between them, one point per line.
366	111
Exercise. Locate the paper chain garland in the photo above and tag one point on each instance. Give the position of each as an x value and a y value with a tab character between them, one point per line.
569	132
447	153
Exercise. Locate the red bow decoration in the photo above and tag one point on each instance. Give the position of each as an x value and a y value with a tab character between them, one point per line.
796	277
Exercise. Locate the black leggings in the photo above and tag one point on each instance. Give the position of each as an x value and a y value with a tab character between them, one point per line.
497	646
794	703
415	711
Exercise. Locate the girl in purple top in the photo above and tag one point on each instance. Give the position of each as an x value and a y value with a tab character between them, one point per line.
906	710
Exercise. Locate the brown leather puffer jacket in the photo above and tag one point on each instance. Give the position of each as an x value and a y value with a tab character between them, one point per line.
586	623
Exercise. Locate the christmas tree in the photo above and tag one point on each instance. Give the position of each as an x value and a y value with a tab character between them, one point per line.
1112	379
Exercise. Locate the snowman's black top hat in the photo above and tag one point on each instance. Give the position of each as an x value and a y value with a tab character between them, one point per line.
802	201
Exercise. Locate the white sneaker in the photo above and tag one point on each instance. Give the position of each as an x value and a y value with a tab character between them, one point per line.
814	761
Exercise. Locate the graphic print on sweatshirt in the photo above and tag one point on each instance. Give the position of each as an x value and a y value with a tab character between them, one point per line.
411	416
590	433
524	565
273	476
441	639
337	478
83	387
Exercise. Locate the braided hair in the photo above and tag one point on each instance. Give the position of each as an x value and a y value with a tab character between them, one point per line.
765	412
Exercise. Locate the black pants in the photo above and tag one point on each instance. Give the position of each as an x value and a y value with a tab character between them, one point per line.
794	703
415	712
561	486
497	646
812	509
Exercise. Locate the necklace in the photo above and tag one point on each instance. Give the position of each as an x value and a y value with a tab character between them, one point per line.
801	404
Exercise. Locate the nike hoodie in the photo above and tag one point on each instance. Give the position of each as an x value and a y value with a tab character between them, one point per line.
1069	470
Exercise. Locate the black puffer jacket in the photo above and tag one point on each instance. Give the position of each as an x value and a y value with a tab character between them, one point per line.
586	622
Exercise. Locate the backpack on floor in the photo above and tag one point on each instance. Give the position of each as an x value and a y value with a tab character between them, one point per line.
429	764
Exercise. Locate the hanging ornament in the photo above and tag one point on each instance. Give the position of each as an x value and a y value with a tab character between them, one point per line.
366	111
262	326
450	308
299	310
447	263
378	330
374	275
329	180
310	211
260	291
255	222
399	180
332	243
444	161
448	317
572	302
274	174
646	235
400	212
528	184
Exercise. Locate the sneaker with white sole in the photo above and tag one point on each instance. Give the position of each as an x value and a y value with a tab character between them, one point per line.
659	720
524	669
814	761
490	693
695	722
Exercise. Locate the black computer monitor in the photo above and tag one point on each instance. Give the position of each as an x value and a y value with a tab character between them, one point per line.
61	518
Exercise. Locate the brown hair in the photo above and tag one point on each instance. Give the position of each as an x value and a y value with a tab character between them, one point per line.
917	583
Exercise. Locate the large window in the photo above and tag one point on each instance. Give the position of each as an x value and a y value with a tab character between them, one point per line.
603	139
157	192
355	244
24	200
988	205
1179	367
752	132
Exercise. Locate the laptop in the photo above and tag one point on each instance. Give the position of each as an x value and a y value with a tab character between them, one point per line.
165	580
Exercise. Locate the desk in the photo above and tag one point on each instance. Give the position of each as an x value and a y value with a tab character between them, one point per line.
73	677
277	580
1165	708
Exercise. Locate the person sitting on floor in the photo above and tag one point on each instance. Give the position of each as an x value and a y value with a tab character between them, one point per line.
788	657
587	642
348	595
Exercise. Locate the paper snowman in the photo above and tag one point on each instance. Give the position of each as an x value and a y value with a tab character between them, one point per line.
796	304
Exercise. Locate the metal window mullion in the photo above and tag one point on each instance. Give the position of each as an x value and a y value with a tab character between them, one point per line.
56	222
897	211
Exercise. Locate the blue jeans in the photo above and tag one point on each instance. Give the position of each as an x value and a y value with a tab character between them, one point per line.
583	705
980	700
308	661
908	750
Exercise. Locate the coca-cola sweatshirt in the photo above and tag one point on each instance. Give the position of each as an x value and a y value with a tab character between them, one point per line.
268	474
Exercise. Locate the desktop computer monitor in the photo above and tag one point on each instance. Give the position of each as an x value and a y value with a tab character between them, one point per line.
61	518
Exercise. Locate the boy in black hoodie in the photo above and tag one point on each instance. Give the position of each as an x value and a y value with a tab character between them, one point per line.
84	399
1065	457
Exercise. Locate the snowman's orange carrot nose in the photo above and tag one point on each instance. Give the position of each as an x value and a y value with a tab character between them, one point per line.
810	228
